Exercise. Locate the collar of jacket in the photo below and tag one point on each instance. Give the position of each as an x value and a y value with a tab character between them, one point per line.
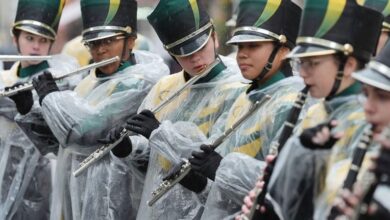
33	69
122	66
353	89
211	75
272	80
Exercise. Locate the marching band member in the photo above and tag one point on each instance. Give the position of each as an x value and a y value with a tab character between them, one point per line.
105	97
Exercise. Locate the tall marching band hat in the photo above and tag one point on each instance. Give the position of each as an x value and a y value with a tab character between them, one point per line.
40	17
377	73
382	6
183	26
342	26
267	20
108	18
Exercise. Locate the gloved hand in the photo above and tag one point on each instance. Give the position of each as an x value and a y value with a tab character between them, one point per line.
319	137
23	100
192	181
143	123
123	148
44	84
206	161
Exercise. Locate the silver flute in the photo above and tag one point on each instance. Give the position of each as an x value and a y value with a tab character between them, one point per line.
105	149
166	185
29	86
13	58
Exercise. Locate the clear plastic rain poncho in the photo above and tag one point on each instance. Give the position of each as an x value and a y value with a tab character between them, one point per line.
253	138
78	119
25	174
299	175
235	177
186	120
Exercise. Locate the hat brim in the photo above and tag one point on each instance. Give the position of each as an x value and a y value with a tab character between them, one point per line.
99	35
373	78
37	30
191	45
245	38
301	51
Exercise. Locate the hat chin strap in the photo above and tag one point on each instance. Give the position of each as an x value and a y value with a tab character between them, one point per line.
339	77
124	49
268	66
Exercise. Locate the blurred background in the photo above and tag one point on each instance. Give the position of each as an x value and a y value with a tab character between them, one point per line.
70	26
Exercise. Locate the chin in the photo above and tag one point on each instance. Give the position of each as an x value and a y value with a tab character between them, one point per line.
32	63
109	69
247	75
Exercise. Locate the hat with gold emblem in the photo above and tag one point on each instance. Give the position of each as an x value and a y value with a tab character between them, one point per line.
108	18
183	26
40	17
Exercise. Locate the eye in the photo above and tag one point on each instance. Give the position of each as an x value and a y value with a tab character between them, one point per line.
29	38
108	41
43	40
384	96
253	45
365	92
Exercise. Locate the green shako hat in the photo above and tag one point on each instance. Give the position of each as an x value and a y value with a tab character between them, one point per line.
382	6
377	73
183	26
108	18
267	20
337	26
40	17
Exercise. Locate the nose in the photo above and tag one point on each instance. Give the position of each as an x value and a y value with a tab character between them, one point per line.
195	57
35	45
100	48
369	106
242	53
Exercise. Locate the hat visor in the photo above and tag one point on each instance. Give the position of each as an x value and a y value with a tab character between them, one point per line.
98	35
191	45
373	78
309	51
244	38
37	30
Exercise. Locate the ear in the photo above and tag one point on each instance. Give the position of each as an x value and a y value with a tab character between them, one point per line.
131	42
214	35
350	66
283	51
15	41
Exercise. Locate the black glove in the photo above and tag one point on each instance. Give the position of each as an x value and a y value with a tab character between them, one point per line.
206	161
307	136
23	100
123	148
44	84
143	123
192	181
383	165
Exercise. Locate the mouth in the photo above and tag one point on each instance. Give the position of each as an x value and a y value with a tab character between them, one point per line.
200	68
244	66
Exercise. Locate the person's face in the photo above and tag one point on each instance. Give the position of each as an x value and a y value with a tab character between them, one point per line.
195	63
376	107
253	56
32	45
319	73
107	48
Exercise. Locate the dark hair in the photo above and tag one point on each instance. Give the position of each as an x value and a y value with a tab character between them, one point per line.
360	62
16	33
